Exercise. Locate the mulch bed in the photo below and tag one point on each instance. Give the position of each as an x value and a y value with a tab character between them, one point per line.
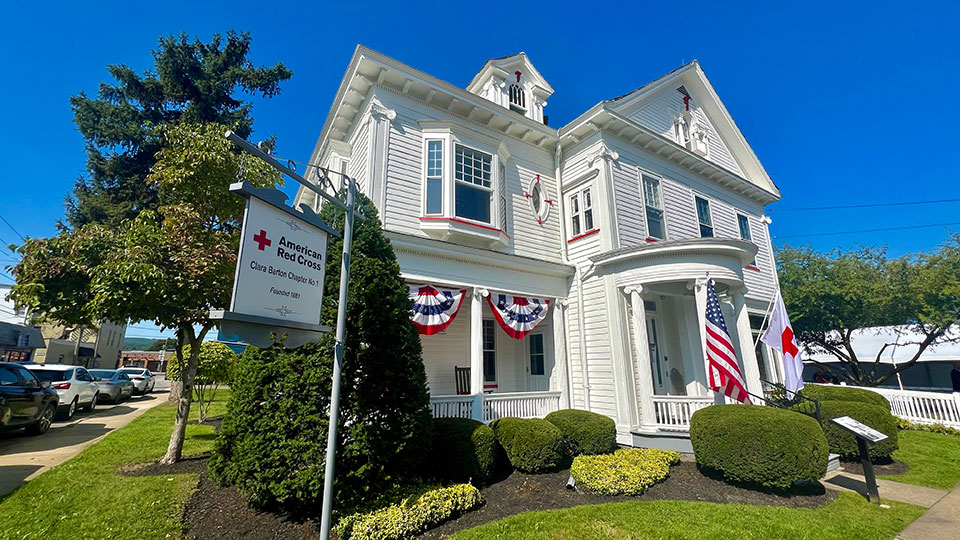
524	492
888	466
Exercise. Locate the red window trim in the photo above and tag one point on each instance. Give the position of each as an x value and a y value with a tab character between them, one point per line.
584	235
457	220
752	267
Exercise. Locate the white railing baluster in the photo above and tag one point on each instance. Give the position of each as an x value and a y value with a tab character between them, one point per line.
921	407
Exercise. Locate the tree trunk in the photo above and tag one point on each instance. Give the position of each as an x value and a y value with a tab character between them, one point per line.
175	448
176	389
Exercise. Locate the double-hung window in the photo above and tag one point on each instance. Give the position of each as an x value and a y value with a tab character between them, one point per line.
744	224
581	212
473	190
434	195
536	354
489	351
703	217
654	205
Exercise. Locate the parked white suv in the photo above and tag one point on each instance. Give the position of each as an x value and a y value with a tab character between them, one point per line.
74	384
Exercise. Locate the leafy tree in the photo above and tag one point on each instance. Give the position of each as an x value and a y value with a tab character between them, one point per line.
159	344
191	81
272	442
832	295
171	265
215	367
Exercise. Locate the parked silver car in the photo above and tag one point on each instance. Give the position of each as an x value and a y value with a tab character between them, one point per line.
143	381
115	385
74	384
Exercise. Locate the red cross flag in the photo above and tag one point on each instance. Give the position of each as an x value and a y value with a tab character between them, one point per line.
780	336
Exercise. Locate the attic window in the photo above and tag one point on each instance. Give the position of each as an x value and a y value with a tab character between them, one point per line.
518	100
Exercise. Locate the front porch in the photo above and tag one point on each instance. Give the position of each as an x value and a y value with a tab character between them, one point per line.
489	407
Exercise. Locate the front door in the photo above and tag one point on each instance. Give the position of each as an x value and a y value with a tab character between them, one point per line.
537	380
658	368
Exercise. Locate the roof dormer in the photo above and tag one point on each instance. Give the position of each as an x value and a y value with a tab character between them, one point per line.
512	82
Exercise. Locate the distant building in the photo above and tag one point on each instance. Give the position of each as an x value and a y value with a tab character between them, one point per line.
18	340
152	360
91	348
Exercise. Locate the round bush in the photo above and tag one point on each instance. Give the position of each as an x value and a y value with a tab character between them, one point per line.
532	445
764	446
843	393
464	450
628	471
585	432
845	444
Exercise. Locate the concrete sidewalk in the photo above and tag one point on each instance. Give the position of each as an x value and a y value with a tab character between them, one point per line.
840	480
940	522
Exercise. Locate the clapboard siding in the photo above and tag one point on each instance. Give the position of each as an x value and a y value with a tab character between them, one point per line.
630	209
657	112
404	172
360	155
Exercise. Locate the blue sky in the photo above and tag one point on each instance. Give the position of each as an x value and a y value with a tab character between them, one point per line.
842	104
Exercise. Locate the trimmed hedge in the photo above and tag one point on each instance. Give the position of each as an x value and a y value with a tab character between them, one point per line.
845	444
464	450
932	428
532	445
629	471
585	432
843	393
411	516
764	446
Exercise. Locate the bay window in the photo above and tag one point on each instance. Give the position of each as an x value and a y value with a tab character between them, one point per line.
464	197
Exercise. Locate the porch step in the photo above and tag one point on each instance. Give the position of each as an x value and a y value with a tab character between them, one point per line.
833	462
678	441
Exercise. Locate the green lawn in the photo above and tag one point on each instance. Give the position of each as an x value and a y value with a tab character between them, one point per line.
86	497
849	517
933	459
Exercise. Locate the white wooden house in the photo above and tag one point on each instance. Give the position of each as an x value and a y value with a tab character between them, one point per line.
616	219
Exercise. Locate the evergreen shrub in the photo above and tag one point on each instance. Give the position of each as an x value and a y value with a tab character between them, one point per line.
532	445
585	432
272	443
844	443
412	516
764	446
843	393
464	450
628	471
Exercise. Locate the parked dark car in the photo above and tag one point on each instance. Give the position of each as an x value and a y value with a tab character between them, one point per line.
25	401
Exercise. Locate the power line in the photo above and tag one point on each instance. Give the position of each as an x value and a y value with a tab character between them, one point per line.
871	205
11	227
837	233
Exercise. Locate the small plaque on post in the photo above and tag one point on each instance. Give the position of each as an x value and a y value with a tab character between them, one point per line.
859	429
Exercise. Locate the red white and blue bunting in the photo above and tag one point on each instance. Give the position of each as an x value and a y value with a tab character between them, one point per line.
518	315
433	310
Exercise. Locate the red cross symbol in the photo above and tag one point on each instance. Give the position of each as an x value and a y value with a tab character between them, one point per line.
786	340
261	240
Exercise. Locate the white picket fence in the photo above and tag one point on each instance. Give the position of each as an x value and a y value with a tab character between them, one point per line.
921	407
493	406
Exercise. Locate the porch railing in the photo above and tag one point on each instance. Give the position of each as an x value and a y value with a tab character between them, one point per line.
673	412
520	405
494	406
921	407
451	406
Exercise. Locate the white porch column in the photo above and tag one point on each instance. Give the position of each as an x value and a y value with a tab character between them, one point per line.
476	350
748	355
561	363
638	319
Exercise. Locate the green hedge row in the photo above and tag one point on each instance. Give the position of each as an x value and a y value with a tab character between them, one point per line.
764	446
464	450
877	417
584	432
411	516
532	445
844	393
629	471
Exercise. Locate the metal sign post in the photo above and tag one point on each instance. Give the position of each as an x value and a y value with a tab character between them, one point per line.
259	329
864	434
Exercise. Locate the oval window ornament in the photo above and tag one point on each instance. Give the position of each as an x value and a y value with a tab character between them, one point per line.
539	203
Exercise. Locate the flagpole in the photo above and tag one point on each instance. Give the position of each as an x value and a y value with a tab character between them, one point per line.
766	315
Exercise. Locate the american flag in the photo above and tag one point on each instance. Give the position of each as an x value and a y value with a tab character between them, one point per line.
724	373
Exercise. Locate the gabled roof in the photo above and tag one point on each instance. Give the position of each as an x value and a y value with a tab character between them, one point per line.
694	80
501	65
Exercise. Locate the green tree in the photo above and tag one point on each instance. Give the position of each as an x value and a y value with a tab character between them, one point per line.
215	367
191	81
272	442
171	265
162	344
832	295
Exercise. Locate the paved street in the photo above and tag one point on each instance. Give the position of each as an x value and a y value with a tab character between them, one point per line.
23	457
